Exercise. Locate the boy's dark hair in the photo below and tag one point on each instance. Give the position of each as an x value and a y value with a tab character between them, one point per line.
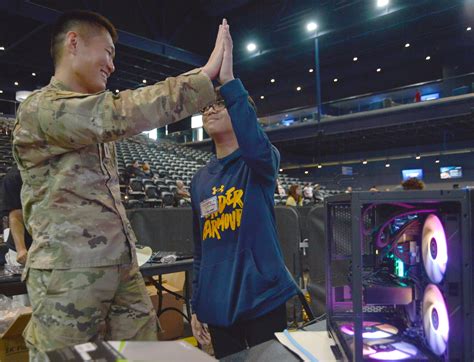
74	19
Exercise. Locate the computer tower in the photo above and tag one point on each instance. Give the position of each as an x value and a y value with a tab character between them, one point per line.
399	275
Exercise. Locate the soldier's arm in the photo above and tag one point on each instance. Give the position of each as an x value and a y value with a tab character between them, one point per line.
72	120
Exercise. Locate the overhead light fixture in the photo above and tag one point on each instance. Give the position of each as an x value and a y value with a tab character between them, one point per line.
311	26
355	59
320	166
1	91
144	81
427	57
407	45
379	70
262	97
298	88
16	83
306	172
281	170
387	165
311	70
437	160
417	156
467	29
364	162
2	48
335	80
116	91
382	3
33	74
251	47
272	80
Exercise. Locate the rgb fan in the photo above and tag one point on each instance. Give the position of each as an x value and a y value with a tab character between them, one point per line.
371	330
434	248
435	319
389	350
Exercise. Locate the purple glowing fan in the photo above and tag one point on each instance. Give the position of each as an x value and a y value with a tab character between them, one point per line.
371	330
435	319
434	248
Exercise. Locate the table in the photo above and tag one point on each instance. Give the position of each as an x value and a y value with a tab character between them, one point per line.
12	285
153	269
273	350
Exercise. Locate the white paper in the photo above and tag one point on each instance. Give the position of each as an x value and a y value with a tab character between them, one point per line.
316	343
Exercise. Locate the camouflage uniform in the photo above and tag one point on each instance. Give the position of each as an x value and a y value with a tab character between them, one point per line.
63	144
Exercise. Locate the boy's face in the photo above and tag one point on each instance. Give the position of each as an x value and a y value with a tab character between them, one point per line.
216	119
93	60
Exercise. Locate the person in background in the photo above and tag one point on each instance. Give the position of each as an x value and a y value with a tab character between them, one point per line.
295	197
19	239
240	282
417	98
413	184
133	171
308	191
181	194
348	190
317	194
280	190
147	172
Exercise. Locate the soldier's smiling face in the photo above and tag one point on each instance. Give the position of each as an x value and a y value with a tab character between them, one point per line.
93	62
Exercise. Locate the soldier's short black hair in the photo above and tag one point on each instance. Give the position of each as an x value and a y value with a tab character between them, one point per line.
74	19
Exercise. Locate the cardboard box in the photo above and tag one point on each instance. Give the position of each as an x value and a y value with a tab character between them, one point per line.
171	322
12	344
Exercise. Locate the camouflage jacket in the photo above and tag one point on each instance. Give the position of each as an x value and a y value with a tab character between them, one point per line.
63	144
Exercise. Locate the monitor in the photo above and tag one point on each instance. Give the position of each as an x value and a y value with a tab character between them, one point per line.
449	172
412	173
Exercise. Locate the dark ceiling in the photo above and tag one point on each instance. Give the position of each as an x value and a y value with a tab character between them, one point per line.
165	38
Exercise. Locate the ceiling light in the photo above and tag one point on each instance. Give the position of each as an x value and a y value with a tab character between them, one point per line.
335	80
407	45
306	172
355	59
262	97
320	166
2	48
467	29
298	88
1	91
281	170
364	162
116	91
33	74
387	165
311	70
16	83
272	80
144	81
417	157
311	26
437	160
382	3
379	70
428	57
251	47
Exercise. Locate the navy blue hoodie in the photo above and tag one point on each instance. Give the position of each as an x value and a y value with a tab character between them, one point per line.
239	272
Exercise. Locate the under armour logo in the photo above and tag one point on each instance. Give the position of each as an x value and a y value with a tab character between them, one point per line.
215	190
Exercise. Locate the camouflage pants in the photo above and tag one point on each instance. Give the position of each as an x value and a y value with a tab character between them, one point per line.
79	305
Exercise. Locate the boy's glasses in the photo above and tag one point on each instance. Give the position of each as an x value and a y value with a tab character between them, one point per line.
216	106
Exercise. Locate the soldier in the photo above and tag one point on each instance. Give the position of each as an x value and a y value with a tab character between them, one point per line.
81	271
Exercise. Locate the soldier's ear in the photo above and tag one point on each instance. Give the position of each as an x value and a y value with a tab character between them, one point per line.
71	41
